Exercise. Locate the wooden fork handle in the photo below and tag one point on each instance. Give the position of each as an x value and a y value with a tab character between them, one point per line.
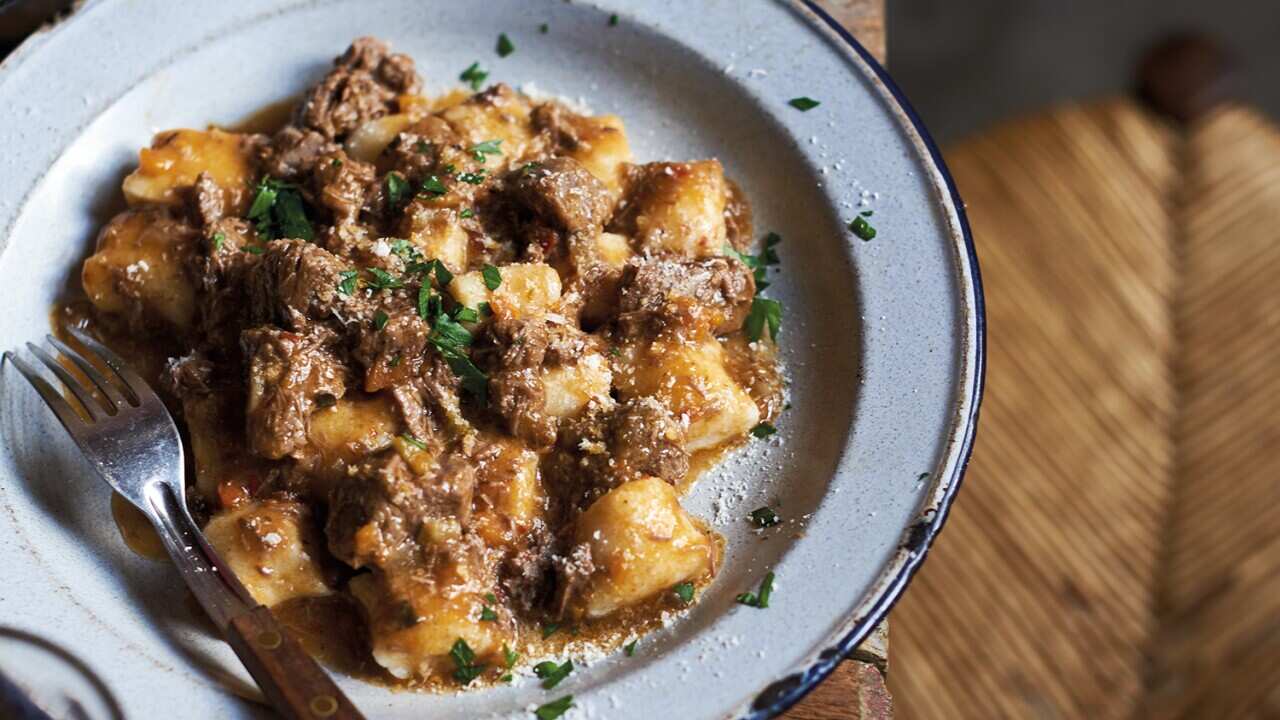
293	682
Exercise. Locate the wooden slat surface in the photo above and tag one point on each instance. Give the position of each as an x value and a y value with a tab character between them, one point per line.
1037	600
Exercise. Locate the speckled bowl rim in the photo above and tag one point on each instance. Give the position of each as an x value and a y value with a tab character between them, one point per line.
919	536
780	695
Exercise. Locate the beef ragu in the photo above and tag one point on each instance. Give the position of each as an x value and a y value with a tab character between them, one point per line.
445	361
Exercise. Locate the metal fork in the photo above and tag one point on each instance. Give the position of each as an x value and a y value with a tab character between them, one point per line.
130	439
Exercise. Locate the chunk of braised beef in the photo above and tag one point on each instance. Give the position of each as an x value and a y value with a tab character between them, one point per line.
189	376
362	86
645	439
525	573
294	153
343	186
564	194
715	293
514	356
551	119
391	350
295	282
418	151
379	511
286	373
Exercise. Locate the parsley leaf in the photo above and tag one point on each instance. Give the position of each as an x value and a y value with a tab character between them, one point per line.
254	249
764	517
413	441
473	178
218	239
544	28
684	591
505	46
278	211
613	20
488	147
466	314
549	630
763	312
862	228
487	614
433	186
803	104
763	430
555	708
630	648
492	277
348	281
383	280
467	213
509	656
396	187
867	213
380	319
474	76
464	662
551	673
760	600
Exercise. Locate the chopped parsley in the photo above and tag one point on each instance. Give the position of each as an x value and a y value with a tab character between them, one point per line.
396	187
349	280
466	314
474	76
862	228
549	630
422	146
467	213
803	104
336	162
254	249
551	673
487	614
505	46
485	310
613	20
509	657
380	319
761	599
383	280
413	441
763	312
492	277
464	662
544	28
425	298
554	709
218	239
684	591
764	517
278	211
867	213
763	430
434	186
630	648
473	178
489	147
395	361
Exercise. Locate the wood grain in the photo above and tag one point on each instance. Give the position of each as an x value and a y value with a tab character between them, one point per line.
856	690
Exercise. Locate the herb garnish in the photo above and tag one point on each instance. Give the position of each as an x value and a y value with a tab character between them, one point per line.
218	239
466	314
505	46
467	213
803	104
555	708
758	600
509	657
278	211
433	186
763	430
380	319
383	280
396	187
254	249
544	28
764	517
487	614
488	147
474	76
492	277
684	591
549	630
862	228
349	280
867	213
413	441
763	312
613	20
473	178
464	659
551	673
630	648
422	146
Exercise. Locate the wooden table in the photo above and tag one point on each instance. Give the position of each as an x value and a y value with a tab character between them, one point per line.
856	690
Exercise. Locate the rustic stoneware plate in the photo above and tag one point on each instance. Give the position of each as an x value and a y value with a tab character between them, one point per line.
883	340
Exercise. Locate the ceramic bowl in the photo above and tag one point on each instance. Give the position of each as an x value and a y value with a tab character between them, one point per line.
882	339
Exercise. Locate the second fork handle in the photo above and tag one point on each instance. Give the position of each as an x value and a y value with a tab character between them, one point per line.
294	683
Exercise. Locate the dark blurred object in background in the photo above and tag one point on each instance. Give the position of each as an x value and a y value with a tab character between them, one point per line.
967	65
19	18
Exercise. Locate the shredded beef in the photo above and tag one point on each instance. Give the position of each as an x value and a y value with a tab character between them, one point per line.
714	292
287	371
362	86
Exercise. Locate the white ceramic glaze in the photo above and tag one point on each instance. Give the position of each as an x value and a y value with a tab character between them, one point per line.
882	339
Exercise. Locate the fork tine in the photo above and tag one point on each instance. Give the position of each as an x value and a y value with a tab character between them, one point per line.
70	420
135	385
70	382
86	367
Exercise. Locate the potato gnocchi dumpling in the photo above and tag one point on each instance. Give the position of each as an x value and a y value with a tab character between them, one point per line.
446	360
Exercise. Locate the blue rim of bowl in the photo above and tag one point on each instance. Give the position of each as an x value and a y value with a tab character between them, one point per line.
782	694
